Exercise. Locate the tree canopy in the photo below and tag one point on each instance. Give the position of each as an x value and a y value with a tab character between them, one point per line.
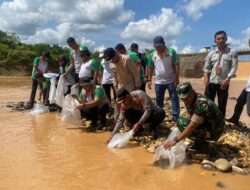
17	57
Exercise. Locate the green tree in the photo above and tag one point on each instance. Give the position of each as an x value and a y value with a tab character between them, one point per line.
9	39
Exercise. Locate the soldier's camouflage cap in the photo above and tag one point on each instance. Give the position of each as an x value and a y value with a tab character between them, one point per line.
184	89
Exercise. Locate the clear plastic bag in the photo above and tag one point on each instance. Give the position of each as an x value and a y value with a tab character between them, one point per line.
69	114
60	91
171	157
38	109
120	140
52	91
75	89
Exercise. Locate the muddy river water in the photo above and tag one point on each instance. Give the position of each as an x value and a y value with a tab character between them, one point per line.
40	152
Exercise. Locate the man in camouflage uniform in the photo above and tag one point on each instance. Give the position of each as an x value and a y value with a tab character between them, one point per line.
202	120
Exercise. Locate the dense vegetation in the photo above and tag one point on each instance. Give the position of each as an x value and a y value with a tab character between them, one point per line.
16	58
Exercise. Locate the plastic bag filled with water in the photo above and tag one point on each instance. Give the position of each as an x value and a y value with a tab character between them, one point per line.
61	90
38	109
170	157
69	114
120	140
52	91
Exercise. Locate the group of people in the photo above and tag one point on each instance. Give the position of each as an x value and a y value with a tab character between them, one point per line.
126	73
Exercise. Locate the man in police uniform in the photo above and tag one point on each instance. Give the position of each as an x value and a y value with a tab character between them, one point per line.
137	108
202	120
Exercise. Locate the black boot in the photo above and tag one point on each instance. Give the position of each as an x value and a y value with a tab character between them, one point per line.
233	120
200	146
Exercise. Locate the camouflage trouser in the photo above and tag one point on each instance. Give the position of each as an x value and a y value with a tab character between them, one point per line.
205	131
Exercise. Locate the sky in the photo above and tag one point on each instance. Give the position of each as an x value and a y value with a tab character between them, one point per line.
186	25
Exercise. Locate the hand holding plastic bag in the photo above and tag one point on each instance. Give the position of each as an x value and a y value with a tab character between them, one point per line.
69	113
171	157
120	140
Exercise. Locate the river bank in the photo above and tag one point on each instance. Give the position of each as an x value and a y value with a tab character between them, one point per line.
40	152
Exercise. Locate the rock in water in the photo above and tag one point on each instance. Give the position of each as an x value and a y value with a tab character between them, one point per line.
207	162
223	165
234	162
208	167
220	184
239	170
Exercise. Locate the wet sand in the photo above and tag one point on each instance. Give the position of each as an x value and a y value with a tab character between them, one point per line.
40	152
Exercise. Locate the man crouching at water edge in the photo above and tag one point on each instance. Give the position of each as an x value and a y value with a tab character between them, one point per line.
93	103
202	120
138	109
44	86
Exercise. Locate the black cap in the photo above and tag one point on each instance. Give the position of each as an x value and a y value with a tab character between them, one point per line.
158	41
120	47
70	39
134	46
46	54
109	54
121	94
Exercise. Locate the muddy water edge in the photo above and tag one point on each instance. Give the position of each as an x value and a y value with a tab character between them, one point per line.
40	152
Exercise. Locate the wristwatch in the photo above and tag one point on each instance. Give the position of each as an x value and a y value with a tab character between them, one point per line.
176	139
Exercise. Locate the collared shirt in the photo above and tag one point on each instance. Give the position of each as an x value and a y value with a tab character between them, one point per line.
125	73
42	66
227	60
107	77
164	66
97	93
142	103
89	68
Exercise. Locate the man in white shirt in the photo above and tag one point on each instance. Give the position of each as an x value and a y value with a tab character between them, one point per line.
165	62
75	58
